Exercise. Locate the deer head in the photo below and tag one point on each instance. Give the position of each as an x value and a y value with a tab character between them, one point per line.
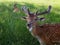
32	18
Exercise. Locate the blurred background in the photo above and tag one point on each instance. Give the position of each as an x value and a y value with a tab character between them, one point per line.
13	30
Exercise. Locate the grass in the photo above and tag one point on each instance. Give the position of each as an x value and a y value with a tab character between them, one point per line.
13	30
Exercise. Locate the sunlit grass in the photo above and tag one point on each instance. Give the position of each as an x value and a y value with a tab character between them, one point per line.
38	2
53	3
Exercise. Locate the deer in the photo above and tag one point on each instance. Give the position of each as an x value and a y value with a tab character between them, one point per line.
15	8
46	34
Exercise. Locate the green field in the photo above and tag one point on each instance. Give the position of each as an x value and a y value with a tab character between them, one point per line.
13	30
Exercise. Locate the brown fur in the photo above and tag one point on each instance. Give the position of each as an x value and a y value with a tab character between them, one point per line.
49	33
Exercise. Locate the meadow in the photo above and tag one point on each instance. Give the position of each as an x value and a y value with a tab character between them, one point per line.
13	30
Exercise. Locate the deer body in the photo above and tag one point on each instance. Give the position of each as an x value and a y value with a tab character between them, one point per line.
48	33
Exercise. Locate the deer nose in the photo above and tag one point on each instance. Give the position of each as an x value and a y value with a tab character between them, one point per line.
29	25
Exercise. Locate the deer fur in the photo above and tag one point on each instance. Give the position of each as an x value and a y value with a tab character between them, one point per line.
47	34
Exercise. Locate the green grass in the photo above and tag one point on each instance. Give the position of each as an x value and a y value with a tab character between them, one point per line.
13	30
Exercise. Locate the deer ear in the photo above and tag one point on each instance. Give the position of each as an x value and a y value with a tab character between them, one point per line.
23	18
42	19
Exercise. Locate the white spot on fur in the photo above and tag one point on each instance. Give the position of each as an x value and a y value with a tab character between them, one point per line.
30	29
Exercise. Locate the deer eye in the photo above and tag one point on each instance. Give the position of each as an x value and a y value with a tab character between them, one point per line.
41	19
